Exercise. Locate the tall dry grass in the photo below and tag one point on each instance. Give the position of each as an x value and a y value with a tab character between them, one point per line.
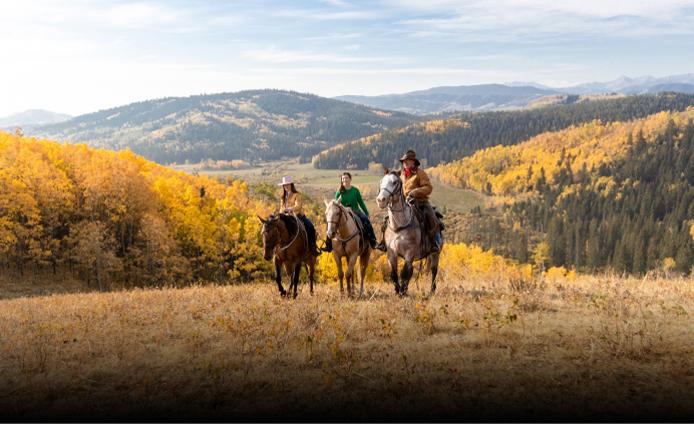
493	347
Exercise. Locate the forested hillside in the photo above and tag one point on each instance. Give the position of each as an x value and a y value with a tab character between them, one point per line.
105	216
462	135
248	125
600	196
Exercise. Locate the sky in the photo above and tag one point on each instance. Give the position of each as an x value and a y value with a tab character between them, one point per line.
79	56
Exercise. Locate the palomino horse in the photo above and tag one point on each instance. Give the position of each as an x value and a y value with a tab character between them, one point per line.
403	235
285	240
348	242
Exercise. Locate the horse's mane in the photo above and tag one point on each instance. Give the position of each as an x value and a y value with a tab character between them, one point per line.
290	223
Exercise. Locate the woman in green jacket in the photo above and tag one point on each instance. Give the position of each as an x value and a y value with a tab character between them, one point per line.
350	196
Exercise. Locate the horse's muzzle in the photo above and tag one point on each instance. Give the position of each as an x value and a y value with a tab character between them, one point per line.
381	202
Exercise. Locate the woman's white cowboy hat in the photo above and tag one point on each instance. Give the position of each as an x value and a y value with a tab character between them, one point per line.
286	180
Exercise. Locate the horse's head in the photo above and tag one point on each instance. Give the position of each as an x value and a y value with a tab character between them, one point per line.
390	186
271	235
333	211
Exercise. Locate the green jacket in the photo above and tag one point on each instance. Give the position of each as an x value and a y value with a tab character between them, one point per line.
352	198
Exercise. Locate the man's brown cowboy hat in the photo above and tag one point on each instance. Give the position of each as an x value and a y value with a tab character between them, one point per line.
410	155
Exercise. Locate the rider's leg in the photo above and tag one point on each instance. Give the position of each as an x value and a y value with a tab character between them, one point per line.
311	233
431	226
328	244
368	229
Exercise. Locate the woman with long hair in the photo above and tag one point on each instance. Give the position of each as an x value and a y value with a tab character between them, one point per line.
291	202
350	196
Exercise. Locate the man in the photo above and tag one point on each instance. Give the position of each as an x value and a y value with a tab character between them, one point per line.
417	188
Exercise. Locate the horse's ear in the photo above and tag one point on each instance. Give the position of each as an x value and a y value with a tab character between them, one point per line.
398	172
386	171
262	221
325	202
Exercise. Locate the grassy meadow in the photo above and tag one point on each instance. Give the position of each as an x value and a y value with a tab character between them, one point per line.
590	347
320	183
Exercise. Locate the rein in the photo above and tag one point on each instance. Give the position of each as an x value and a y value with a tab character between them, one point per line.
298	230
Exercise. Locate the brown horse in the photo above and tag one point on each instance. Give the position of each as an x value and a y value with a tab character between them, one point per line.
349	242
286	242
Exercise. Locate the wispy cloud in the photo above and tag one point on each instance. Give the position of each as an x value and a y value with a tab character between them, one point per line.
328	15
277	55
497	20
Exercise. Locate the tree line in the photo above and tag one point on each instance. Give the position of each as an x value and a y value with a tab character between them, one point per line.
107	216
465	133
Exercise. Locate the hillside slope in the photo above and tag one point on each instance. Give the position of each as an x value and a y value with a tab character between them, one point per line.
477	351
248	125
614	196
446	140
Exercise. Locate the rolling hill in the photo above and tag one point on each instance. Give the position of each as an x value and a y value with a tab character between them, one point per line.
248	125
32	117
444	140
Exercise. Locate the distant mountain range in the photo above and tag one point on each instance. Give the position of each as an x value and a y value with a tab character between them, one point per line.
449	99
517	95
249	125
32	117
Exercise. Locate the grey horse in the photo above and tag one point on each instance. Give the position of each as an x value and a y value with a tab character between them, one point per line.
403	235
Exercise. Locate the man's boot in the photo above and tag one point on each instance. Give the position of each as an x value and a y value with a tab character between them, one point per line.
372	241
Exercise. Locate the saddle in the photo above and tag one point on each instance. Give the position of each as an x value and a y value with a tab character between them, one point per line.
360	227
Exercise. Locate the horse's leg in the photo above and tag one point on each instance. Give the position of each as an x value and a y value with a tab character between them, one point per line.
363	264
393	262
295	278
434	267
405	275
340	274
278	277
352	261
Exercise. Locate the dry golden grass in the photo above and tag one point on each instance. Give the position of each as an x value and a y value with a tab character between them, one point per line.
593	348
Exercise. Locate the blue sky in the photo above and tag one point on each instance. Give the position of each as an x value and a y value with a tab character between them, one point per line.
80	56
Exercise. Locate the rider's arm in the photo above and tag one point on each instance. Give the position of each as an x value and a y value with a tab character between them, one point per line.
361	204
297	207
425	188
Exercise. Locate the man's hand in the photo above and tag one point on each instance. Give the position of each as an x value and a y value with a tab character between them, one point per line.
410	198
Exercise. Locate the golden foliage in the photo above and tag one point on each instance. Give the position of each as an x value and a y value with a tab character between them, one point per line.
509	170
116	214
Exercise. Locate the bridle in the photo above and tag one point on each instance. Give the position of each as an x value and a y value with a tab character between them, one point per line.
339	219
391	196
